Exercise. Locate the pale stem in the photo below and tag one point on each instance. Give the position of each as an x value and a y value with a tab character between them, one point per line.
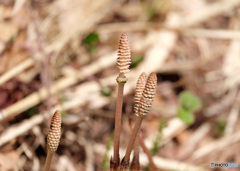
48	160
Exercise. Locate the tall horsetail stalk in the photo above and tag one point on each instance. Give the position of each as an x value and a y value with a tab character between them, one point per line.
144	107
123	63
53	138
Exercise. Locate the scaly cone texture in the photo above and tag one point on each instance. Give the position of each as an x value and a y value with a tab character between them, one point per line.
139	90
148	95
124	58
54	133
138	94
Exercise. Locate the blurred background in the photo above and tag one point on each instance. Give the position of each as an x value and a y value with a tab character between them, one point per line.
57	54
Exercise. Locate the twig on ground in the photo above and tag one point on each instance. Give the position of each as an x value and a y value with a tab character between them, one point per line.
191	144
173	128
213	34
210	11
16	70
219	144
59	85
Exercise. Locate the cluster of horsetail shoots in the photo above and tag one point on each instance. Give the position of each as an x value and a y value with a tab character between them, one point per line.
53	138
145	92
144	95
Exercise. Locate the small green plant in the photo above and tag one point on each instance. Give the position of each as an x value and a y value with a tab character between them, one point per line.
12	39
144	96
154	8
189	103
135	61
63	98
106	91
158	138
31	111
63	113
219	127
91	41
105	163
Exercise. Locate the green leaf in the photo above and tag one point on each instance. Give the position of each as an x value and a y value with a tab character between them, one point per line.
189	101
135	61
106	91
63	114
91	39
12	39
163	124
158	138
63	98
219	128
105	163
31	111
186	116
